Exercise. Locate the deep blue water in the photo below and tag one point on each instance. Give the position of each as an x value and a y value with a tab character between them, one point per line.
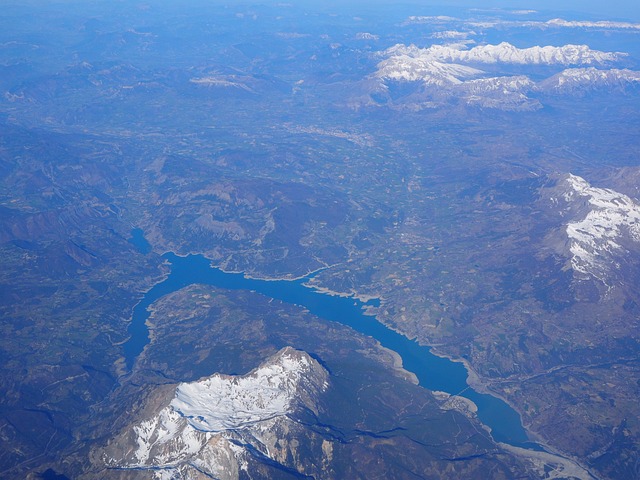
433	372
137	240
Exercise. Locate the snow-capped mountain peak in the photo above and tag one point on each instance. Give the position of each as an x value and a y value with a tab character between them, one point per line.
450	71
205	427
502	53
223	402
604	224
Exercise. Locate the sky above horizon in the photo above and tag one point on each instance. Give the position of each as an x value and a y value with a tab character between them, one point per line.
623	8
628	10
617	9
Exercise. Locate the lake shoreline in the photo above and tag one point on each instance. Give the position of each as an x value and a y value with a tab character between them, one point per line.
419	363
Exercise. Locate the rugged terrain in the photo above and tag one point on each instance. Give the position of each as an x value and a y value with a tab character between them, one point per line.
476	172
346	409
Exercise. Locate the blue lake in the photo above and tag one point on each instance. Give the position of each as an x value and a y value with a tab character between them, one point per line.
137	240
433	372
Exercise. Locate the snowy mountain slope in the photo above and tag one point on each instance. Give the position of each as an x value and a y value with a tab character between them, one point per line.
579	80
221	403
602	226
211	425
505	93
517	83
505	53
449	72
415	68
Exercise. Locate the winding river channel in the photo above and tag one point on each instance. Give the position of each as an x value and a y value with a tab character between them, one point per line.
433	372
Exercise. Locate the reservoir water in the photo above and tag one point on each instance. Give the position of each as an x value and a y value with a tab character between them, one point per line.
137	240
433	372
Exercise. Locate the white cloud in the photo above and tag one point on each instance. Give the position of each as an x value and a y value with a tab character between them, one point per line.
557	23
553	23
452	35
418	19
